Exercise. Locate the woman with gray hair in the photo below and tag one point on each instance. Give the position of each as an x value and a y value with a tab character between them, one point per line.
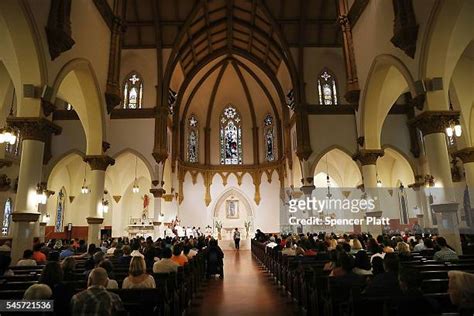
461	291
38	292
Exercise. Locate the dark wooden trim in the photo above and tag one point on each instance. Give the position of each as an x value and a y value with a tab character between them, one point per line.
65	115
345	109
105	11
143	113
356	11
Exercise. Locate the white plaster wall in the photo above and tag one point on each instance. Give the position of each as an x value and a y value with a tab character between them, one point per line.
194	212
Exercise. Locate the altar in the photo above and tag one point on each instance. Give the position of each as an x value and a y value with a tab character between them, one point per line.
140	227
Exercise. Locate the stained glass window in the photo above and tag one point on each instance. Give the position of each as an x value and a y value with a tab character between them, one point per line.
269	139
7	214
231	136
327	88
133	92
60	212
193	139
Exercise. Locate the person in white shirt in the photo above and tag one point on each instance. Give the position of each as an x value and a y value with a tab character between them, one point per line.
189	232
111	250
27	259
135	250
189	252
420	246
165	265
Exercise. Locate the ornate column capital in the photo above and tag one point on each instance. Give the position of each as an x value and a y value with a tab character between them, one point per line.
99	162
368	156
466	154
34	128
25	217
94	220
158	192
431	122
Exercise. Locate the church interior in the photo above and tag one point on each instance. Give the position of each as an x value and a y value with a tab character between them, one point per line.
146	125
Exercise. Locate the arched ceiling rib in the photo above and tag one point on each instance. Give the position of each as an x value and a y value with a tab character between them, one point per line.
241	24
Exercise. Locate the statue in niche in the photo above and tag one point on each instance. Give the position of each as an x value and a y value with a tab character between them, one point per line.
232	209
146	203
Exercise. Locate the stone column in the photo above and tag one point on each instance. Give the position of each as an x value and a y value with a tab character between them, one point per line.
34	132
467	157
98	165
368	160
374	230
433	125
448	225
425	215
158	191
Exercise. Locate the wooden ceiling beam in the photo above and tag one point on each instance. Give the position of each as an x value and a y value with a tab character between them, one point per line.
208	29
252	22
230	23
139	30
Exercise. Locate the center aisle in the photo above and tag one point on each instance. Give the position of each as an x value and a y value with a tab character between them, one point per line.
245	290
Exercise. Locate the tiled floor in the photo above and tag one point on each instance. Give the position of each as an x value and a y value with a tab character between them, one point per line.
245	290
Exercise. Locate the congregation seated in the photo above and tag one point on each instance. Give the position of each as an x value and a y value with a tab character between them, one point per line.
109	267
288	250
52	275
126	257
404	253
178	255
38	255
461	291
362	264
411	300
5	261
445	253
67	252
38	292
386	284
68	266
96	300
137	276
27	259
166	264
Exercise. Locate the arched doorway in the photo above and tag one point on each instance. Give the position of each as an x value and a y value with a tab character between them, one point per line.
232	210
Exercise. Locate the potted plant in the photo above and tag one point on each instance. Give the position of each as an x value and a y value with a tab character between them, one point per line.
247	227
219	229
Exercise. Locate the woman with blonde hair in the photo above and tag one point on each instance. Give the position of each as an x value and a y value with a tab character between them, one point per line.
137	276
404	252
356	246
461	290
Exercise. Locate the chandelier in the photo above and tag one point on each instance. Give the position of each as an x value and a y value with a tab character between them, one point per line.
8	134
135	188
85	189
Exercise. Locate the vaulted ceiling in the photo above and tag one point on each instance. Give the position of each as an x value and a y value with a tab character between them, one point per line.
250	26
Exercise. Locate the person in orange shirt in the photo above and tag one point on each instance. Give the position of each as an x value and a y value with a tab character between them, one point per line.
38	256
178	255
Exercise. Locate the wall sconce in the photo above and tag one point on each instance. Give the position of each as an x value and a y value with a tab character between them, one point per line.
46	218
429	181
42	193
454	128
105	206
